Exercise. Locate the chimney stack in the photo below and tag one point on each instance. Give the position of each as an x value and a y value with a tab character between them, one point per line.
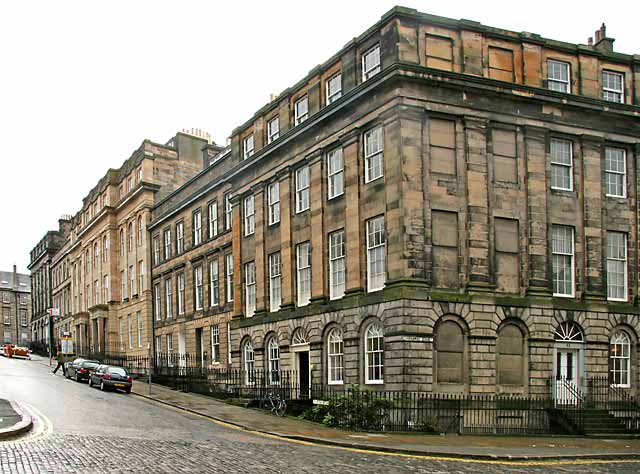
602	42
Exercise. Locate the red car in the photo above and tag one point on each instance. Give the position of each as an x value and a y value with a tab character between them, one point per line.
11	350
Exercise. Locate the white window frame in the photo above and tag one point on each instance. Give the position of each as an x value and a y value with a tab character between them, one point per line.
158	301
123	285
140	230
273	129
139	326
563	250
168	297
105	288
170	350
335	173
140	276
130	330
610	172
333	87
559	162
337	265
371	68
620	350
610	93
167	244
618	258
372	353
156	249
335	357
198	288
212	214
275	281
214	283
248	362
249	215
248	146
303	182
273	202
181	293
215	343
228	212
132	280
121	332
376	245
180	237
197	227
301	109
373	157
228	268
303	273
557	79
250	288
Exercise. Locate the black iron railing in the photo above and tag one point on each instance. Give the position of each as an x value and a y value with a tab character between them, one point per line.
561	408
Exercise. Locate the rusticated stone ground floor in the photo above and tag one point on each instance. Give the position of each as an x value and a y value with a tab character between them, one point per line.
445	347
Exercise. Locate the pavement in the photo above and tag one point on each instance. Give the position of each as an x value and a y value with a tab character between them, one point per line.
82	430
14	420
453	446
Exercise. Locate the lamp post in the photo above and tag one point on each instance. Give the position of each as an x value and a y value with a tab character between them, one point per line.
53	313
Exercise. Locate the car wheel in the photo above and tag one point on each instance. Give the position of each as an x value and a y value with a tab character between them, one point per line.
102	387
127	390
77	377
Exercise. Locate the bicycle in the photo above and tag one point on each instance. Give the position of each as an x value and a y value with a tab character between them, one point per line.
274	403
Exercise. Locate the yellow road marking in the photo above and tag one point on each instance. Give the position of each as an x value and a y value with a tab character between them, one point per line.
42	426
402	455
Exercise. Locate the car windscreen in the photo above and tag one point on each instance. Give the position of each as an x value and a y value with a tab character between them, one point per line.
118	371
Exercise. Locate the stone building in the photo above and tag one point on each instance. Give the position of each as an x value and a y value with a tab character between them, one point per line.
192	265
41	285
99	279
440	206
15	303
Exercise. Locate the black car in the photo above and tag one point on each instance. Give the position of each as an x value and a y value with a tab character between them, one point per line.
111	376
70	368
80	372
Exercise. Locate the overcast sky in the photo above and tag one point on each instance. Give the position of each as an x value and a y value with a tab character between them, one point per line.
82	83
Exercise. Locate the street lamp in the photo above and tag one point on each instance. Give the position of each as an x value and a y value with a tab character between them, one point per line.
53	313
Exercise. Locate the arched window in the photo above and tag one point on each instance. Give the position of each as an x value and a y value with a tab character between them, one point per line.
140	229
335	353
510	356
248	361
273	356
130	236
620	359
568	331
299	337
374	354
450	353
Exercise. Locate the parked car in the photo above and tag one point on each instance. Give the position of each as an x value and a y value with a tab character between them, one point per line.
1	350
111	376
71	367
80	372
11	350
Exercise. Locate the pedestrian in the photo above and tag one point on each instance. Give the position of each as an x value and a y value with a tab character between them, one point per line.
60	360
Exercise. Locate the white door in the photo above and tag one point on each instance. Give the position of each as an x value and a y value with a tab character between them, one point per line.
567	391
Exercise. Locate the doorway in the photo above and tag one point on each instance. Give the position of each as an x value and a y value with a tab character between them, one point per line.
304	374
199	348
567	389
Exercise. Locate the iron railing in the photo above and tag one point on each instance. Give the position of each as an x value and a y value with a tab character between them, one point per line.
561	408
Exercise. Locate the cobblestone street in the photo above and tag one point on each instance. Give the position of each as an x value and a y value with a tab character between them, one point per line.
96	432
